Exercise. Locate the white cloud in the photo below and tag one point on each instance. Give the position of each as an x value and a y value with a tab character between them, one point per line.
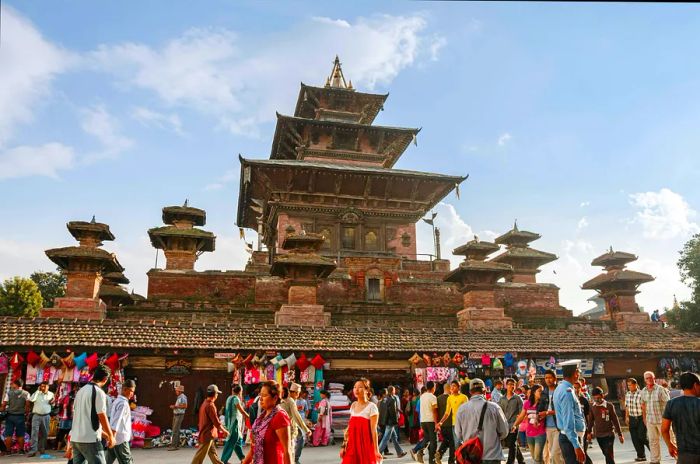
21	258
664	214
228	177
659	293
230	253
165	121
236	79
43	160
29	64
582	223
99	123
584	204
504	139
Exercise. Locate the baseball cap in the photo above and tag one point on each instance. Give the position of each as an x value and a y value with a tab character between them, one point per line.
476	383
295	387
213	389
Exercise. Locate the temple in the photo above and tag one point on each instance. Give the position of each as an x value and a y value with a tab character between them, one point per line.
336	274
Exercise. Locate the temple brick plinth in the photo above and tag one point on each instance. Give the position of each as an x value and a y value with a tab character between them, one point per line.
483	318
302	315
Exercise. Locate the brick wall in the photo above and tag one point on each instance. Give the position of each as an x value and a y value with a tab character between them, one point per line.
233	286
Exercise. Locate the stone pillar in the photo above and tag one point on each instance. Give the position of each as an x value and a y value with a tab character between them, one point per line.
180	259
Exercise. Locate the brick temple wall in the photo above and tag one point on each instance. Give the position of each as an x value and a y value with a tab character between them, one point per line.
530	300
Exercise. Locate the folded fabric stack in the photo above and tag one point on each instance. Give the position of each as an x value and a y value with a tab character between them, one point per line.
338	399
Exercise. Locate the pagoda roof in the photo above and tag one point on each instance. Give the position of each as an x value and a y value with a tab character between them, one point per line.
368	105
157	233
114	291
476	247
518	253
62	256
477	266
622	276
79	229
115	277
372	190
613	258
516	236
302	240
188	213
403	136
147	335
284	261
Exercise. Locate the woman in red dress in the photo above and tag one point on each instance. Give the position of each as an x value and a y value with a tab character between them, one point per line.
360	445
270	440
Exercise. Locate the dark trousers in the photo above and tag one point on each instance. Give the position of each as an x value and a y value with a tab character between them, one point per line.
606	446
120	453
514	449
639	435
429	439
568	450
448	442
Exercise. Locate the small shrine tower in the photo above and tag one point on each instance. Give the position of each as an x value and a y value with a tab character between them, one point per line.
180	240
525	260
477	279
112	292
617	286
302	268
84	267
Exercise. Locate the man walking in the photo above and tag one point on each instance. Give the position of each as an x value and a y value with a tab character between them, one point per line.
90	422
546	413
454	401
569	415
635	419
298	427
16	404
512	405
389	418
654	399
428	424
209	428
683	413
494	427
179	410
120	422
446	428
43	399
605	425
497	392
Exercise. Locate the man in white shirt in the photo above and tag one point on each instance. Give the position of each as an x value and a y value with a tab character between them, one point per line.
428	423
90	422
120	423
179	409
43	399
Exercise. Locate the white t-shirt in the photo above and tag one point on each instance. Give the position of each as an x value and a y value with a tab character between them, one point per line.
428	402
82	431
369	410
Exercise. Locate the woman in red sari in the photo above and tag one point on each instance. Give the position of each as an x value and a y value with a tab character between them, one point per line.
270	440
360	445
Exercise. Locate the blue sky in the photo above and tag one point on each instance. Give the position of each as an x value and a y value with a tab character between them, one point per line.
579	120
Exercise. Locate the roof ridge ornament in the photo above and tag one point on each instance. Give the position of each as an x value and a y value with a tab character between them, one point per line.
337	78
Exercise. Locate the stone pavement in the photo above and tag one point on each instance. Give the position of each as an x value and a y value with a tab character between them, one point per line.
624	454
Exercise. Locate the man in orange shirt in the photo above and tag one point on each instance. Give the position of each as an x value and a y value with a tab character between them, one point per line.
209	428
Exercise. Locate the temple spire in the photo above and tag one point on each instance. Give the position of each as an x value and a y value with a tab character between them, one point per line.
337	79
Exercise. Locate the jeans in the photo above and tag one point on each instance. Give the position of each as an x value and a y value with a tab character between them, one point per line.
390	436
177	423
429	439
448	442
40	429
606	446
513	448
299	446
15	423
89	453
568	451
522	439
638	431
233	444
536	445
120	453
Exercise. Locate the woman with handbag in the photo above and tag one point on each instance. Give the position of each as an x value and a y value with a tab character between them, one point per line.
361	445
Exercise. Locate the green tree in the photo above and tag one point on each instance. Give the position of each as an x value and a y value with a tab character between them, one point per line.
51	285
20	296
686	315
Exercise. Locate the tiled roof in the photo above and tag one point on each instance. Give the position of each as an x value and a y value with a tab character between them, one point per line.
123	335
617	276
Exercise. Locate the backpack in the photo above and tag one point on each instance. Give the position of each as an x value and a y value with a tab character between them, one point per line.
472	450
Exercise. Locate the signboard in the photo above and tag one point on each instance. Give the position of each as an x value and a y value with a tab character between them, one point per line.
178	367
224	355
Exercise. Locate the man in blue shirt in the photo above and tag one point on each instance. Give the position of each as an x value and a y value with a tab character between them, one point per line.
569	415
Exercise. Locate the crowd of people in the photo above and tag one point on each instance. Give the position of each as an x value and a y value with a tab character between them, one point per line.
555	420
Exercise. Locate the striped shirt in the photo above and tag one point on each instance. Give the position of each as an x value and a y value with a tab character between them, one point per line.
633	403
655	401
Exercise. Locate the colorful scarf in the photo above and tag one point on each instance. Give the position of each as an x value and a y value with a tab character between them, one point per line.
259	430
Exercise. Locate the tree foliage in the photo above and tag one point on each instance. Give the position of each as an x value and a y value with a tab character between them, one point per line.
686	315
51	285
20	296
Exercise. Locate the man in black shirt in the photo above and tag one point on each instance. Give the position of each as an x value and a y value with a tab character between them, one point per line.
683	413
389	420
586	406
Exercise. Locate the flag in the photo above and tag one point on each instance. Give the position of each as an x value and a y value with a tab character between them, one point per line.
429	221
249	247
457	190
241	233
415	140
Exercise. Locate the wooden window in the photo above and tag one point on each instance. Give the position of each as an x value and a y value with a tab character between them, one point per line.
372	240
348	238
328	235
373	290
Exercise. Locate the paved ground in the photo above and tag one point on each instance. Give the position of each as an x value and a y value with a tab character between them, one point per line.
624	454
